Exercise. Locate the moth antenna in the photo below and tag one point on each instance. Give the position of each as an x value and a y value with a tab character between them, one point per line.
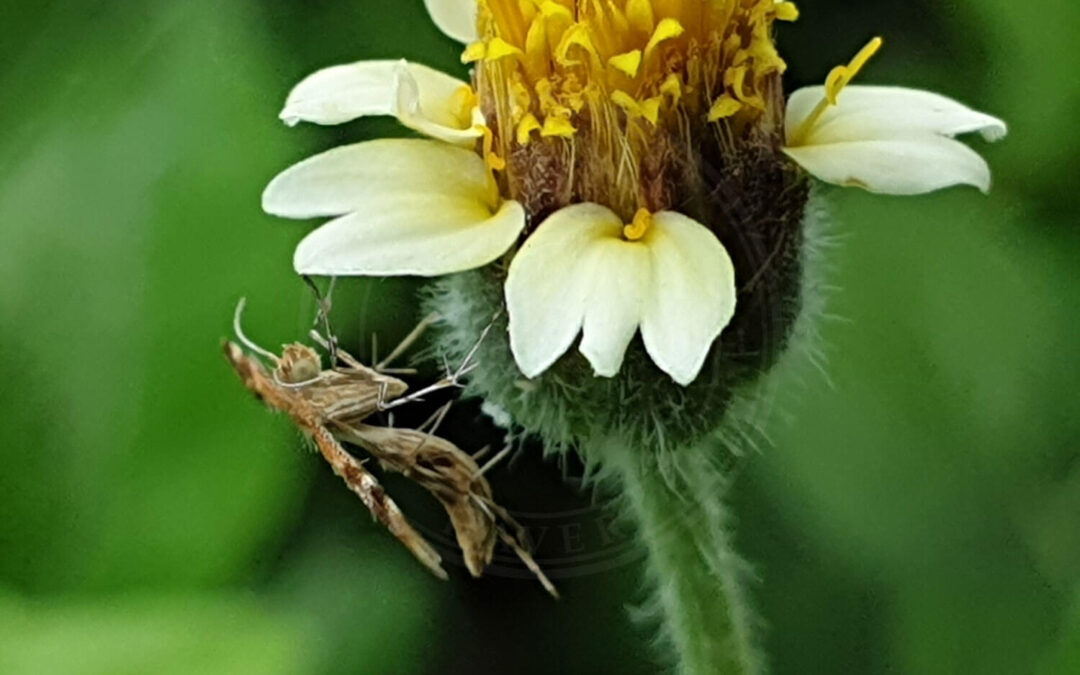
247	342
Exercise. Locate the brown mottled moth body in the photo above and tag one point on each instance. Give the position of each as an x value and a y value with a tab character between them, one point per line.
330	406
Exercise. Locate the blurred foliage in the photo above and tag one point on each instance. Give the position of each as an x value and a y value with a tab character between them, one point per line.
919	511
170	634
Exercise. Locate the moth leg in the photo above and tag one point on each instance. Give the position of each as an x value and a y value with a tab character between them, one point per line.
450	380
490	464
436	419
342	355
408	341
380	400
324	303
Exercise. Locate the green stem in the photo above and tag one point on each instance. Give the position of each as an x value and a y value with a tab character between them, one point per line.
676	499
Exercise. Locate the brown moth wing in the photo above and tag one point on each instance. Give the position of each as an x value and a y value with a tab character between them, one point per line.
351	393
307	414
452	476
349	396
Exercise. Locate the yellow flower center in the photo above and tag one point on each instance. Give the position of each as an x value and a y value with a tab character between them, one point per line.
562	56
624	82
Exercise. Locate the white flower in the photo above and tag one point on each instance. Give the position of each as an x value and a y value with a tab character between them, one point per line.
890	140
433	207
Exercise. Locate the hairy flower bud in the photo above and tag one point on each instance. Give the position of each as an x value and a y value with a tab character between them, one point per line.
688	117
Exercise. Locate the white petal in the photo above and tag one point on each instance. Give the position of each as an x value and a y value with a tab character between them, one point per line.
620	275
548	286
691	297
898	167
425	103
878	113
577	273
350	177
420	234
455	18
423	98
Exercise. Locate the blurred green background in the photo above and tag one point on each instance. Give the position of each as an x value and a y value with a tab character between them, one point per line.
918	512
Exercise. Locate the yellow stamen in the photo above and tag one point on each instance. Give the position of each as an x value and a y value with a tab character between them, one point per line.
640	225
525	127
841	75
474	52
650	109
736	78
834	84
626	102
627	63
672	87
725	106
787	11
463	102
498	48
557	126
493	161
665	30
577	36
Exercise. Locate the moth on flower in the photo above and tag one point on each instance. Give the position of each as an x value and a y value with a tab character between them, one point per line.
332	406
632	166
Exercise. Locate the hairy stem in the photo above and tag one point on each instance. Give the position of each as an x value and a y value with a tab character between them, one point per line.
699	583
